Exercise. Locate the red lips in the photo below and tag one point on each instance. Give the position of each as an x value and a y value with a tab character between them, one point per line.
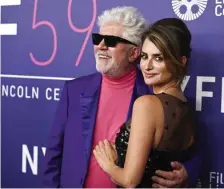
149	75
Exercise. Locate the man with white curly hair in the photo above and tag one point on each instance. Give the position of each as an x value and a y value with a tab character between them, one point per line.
93	108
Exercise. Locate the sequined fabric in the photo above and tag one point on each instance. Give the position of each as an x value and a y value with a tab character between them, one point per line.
121	147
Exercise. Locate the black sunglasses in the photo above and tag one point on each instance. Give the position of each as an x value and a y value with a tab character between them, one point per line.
109	40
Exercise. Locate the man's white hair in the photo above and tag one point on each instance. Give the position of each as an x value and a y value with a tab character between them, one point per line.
130	18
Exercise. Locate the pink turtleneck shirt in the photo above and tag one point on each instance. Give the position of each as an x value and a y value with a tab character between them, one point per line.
115	97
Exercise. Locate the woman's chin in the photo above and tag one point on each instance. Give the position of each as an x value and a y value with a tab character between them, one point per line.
149	82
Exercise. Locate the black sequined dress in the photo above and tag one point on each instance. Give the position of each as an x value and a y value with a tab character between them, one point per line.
179	121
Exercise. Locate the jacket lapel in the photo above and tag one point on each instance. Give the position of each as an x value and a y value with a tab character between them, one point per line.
89	102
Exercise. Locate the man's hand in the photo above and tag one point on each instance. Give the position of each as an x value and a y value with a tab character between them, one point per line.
171	179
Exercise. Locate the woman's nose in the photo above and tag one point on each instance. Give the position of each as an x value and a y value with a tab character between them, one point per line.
149	65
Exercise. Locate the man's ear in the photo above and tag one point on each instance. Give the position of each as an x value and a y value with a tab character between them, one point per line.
184	60
134	54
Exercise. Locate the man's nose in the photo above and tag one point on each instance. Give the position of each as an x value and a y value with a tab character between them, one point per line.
102	45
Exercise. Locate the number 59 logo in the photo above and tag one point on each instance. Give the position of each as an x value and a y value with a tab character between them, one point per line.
36	24
11	29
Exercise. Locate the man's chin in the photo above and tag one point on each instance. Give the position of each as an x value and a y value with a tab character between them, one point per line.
102	71
107	73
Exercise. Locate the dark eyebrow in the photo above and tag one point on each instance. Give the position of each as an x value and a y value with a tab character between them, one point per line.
144	53
157	54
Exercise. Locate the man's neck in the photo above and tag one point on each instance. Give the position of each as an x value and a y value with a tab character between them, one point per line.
120	82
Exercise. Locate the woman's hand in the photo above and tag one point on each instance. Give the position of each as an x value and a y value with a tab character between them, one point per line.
106	155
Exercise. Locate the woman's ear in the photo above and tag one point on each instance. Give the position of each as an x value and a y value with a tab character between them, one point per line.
135	53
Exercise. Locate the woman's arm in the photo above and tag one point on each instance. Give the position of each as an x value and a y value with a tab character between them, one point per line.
147	110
